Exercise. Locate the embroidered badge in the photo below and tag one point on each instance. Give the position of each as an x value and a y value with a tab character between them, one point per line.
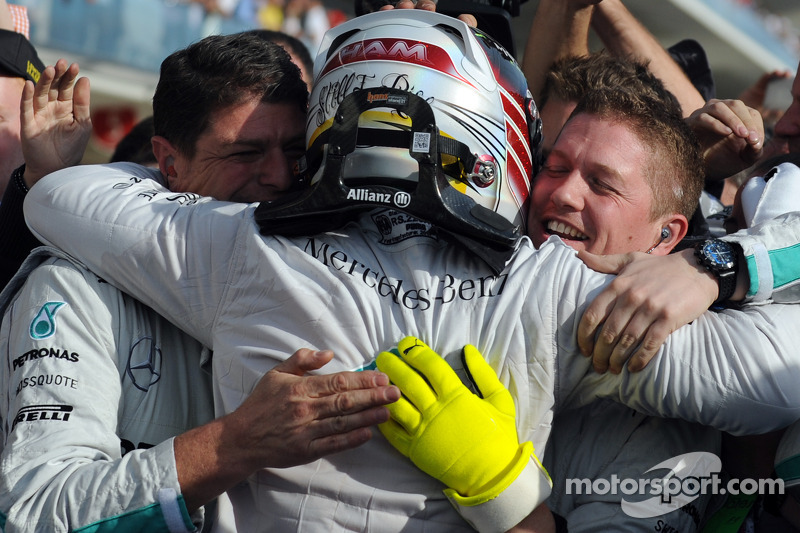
44	323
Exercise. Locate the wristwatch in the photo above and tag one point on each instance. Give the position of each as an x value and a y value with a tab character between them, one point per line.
721	259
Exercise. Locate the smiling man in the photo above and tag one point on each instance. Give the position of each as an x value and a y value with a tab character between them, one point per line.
634	194
240	139
615	197
106	415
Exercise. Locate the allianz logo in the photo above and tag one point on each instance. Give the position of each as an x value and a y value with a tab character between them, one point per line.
400	199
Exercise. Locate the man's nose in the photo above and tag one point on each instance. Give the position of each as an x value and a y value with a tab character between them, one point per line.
569	192
277	172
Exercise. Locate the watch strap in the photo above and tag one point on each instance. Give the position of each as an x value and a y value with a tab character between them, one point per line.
726	276
727	286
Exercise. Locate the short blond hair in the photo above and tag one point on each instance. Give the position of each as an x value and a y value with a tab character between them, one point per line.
675	171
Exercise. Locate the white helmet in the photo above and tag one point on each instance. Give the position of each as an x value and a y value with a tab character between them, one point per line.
417	111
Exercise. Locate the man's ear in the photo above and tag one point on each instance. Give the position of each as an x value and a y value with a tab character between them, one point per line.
165	155
676	227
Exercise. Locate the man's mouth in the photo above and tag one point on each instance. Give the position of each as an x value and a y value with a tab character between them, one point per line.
564	231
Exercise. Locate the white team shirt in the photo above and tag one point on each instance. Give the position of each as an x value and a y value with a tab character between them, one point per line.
357	291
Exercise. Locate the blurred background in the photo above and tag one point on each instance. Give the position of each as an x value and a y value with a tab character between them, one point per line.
120	43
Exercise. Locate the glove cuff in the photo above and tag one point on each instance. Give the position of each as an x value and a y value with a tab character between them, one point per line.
504	505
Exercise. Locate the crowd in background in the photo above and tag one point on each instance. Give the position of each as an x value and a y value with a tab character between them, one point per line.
777	24
141	32
308	20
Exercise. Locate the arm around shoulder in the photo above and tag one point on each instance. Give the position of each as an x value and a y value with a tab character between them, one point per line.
733	370
121	224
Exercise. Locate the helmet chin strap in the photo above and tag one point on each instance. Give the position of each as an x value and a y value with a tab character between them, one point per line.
330	202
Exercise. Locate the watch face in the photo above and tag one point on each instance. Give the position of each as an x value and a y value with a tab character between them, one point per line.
720	254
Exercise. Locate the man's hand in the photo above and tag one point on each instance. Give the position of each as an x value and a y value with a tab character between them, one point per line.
55	121
731	136
291	419
466	441
650	298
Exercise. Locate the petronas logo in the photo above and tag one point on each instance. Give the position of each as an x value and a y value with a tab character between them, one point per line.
44	323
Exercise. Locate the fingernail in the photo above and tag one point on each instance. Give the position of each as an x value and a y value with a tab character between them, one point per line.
321	354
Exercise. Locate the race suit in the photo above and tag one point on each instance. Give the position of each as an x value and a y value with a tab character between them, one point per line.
606	440
772	253
357	291
95	386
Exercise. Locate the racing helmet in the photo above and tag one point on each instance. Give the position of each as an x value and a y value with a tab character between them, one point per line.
416	111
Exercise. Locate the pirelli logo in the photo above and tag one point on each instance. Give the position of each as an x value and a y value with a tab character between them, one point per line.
41	413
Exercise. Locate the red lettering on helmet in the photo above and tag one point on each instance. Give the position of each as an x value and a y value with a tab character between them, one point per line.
401	50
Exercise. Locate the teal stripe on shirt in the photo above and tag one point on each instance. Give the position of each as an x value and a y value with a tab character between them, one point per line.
148	519
784	263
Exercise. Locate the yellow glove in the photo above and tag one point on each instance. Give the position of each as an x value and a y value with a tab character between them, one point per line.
467	442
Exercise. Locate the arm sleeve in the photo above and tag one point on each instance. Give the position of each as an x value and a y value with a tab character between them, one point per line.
172	251
16	240
736	370
61	467
772	253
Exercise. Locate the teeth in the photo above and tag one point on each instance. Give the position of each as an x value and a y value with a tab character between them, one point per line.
563	229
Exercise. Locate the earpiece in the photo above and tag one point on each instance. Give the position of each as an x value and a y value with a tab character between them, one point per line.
665	234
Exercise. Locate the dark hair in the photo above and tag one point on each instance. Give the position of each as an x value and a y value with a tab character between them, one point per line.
215	73
291	44
675	172
135	146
